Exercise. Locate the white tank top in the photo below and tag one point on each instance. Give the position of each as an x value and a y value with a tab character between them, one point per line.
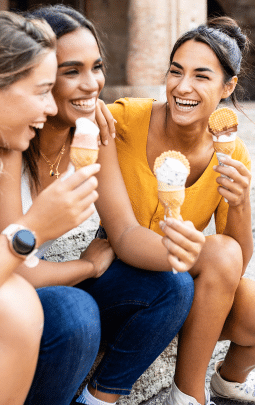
27	202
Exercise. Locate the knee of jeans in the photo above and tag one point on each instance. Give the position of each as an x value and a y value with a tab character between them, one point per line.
71	315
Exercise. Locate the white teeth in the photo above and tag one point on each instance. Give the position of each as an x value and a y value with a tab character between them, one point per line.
192	103
38	125
85	103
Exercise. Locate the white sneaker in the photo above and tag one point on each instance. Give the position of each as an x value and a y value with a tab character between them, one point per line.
233	390
177	397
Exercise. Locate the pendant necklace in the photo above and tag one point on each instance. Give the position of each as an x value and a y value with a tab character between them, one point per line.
57	162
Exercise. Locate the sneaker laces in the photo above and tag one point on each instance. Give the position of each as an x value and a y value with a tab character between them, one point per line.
248	387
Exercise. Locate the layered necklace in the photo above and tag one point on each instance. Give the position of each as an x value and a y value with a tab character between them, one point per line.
54	172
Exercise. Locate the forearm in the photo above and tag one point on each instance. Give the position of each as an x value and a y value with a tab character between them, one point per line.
50	273
239	228
140	247
9	261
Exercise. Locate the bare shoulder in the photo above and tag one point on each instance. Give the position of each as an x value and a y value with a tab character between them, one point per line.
158	106
158	114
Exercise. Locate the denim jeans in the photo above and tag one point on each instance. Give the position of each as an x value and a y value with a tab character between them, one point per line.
69	345
141	312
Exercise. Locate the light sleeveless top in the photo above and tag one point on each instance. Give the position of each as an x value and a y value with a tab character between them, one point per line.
202	199
27	202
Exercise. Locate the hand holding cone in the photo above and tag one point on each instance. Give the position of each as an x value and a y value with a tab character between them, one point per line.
171	169
84	147
223	126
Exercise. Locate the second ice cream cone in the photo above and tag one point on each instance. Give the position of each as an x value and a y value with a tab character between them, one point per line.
224	147
82	157
84	147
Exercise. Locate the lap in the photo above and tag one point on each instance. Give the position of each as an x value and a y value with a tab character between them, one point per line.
123	283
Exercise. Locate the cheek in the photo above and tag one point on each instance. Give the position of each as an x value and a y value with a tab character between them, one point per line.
101	81
62	89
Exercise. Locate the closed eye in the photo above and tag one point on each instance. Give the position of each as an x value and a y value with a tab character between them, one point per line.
99	66
203	77
71	72
175	72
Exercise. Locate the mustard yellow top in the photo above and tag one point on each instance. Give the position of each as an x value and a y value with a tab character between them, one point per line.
202	199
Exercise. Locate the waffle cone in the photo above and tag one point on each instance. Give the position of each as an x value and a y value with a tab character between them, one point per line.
82	157
172	154
222	120
224	147
172	200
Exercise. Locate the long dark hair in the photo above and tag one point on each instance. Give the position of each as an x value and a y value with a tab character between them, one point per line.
63	20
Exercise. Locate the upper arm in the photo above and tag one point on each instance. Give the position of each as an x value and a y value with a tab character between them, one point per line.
10	188
113	204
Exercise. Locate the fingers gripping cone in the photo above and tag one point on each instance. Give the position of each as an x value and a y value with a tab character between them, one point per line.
171	169
84	147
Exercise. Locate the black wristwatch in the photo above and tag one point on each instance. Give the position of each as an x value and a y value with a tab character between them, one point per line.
22	243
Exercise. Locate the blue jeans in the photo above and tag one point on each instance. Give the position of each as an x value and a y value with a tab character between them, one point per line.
69	345
141	312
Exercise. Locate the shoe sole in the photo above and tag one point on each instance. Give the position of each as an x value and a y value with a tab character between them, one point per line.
232	399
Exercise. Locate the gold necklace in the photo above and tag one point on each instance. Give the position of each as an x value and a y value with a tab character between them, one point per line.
57	161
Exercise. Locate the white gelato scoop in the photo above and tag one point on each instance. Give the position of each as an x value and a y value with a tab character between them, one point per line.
172	172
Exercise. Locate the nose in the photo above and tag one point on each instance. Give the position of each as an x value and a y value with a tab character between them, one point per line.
185	85
51	107
89	83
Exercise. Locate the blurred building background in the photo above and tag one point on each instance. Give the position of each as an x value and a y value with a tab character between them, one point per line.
139	34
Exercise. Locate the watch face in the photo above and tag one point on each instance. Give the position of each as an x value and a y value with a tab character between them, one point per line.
23	242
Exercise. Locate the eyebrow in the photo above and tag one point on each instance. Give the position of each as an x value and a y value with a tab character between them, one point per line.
45	84
201	69
75	63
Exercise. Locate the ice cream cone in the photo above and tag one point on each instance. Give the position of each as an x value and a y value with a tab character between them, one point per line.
82	157
171	169
224	147
172	201
84	147
223	125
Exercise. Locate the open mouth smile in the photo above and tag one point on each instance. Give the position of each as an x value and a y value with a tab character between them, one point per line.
185	104
85	104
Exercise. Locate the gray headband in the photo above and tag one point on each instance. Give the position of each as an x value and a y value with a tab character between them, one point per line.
230	44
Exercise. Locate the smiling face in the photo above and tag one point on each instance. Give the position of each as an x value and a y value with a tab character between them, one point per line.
26	104
80	77
195	84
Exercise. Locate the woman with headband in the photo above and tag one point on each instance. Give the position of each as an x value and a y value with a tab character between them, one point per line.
49	338
204	67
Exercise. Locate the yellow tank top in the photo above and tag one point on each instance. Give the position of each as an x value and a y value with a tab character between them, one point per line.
202	199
